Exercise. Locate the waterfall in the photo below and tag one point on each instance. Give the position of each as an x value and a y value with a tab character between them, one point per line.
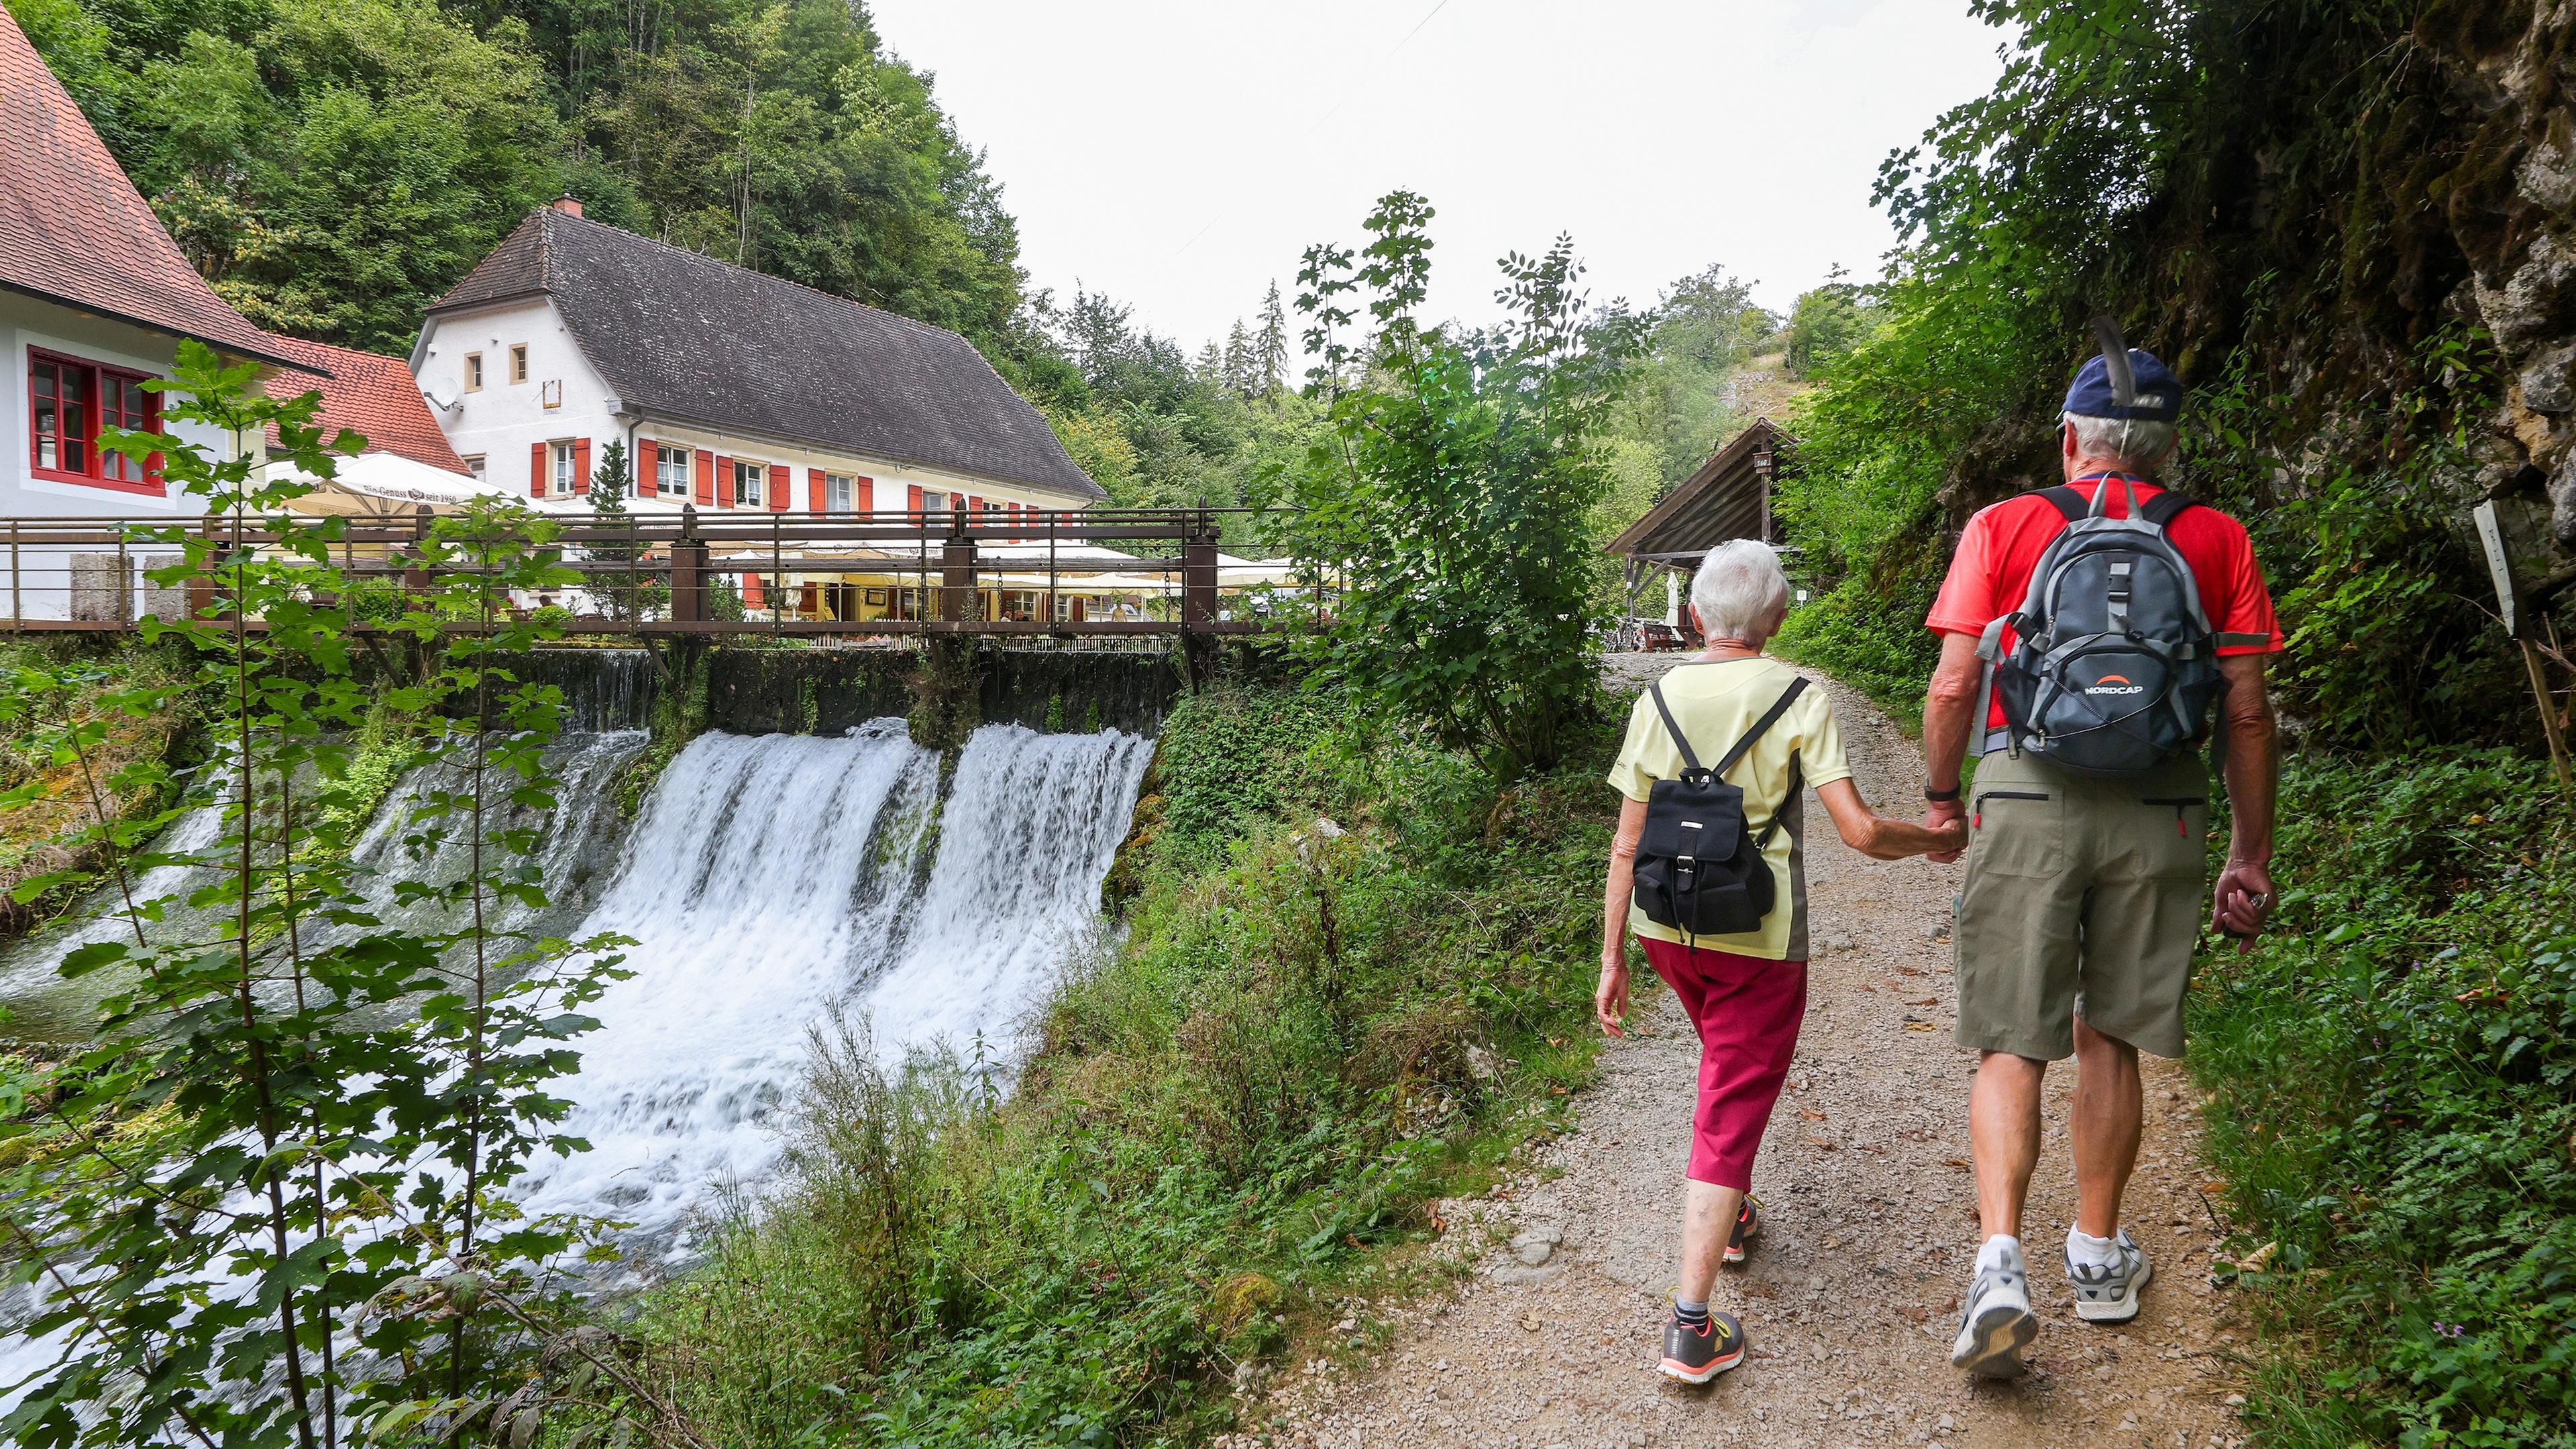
573	848
769	879
772	877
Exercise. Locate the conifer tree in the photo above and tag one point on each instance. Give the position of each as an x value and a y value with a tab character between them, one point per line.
1272	342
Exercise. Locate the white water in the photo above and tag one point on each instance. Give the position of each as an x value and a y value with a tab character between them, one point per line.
773	877
769	879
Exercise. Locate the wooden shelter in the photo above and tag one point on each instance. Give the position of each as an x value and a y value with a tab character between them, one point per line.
1729	497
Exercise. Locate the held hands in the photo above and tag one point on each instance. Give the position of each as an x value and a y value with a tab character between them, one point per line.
1610	998
1948	819
2241	901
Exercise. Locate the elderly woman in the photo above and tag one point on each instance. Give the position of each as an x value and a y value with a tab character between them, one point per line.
1745	992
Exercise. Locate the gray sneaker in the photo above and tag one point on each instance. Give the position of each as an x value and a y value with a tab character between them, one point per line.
1998	1323
2110	1295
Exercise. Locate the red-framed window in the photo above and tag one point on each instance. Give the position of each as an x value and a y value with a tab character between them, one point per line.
68	400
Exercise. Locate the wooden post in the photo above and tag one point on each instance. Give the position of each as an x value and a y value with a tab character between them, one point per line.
957	568
2548	712
1198	599
416	559
688	570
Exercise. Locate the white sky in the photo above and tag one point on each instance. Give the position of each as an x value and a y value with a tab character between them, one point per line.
1180	154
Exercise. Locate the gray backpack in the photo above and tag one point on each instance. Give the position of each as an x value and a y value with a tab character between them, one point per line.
2114	667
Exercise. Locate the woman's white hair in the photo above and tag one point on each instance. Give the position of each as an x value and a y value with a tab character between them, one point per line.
2140	444
1739	591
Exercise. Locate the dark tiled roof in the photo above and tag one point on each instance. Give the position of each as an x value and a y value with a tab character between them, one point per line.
683	336
74	230
376	395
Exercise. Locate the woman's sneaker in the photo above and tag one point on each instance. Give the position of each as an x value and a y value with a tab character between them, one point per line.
1748	1226
2110	1294
1697	1352
1998	1323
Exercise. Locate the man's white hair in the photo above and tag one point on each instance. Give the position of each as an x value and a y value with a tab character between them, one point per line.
2137	444
1739	591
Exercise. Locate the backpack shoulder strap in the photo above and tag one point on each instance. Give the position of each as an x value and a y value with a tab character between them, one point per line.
1770	717
1797	782
2162	509
2065	500
1690	762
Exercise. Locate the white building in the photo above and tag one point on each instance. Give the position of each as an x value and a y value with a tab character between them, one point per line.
94	301
732	390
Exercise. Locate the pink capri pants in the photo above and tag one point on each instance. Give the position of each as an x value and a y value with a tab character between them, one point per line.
1747	1011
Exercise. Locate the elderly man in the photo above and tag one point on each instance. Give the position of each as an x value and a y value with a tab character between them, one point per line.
1746	991
2079	912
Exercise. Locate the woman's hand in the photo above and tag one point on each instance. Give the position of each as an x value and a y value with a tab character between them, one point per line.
1610	998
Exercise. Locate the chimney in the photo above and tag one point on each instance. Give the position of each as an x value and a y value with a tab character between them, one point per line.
568	204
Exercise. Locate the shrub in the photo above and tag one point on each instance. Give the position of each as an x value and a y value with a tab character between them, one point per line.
2395	1106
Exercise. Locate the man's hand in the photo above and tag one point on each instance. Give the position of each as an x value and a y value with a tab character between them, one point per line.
2241	901
1610	999
1949	817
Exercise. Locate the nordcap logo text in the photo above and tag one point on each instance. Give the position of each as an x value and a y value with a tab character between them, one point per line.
2114	684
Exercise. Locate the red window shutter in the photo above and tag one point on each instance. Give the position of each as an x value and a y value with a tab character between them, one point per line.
781	479
809	600
974	504
818	490
864	495
912	497
724	481
647	469
581	465
706	479
536	470
752	596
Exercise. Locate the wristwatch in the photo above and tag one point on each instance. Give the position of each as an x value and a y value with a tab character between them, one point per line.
1941	796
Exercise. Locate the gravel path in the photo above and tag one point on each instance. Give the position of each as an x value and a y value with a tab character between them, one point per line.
1850	1296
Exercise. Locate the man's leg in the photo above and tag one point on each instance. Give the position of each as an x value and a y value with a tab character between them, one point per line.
2003	1136
1708	1220
2108	1111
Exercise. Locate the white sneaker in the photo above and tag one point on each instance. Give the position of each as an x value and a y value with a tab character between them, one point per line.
1998	1323
2110	1294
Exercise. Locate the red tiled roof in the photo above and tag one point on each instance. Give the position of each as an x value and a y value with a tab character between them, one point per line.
74	230
376	395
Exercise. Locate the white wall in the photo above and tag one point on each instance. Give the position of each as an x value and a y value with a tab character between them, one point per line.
505	420
38	581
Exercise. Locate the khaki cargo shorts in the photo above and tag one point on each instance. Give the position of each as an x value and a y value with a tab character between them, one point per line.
2083	897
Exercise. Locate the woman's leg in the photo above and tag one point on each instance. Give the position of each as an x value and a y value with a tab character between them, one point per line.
1748	1038
1708	1220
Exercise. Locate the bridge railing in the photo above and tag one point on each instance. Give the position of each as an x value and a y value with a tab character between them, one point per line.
792	573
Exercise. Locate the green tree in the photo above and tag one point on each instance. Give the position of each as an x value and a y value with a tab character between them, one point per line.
629	595
1827	322
1451	494
283	1148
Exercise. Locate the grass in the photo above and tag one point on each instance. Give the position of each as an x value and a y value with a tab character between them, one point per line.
1227	1138
2393	1080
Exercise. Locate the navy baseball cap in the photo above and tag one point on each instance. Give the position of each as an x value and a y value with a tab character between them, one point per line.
2159	392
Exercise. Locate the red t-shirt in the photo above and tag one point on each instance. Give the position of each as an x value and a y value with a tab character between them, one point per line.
1990	574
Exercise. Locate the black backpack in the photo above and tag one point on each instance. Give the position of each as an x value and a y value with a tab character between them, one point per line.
2114	666
1700	868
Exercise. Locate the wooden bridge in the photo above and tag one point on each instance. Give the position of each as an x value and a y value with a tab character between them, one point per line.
1088	572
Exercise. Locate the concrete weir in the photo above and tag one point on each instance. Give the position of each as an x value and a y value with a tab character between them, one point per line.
757	691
